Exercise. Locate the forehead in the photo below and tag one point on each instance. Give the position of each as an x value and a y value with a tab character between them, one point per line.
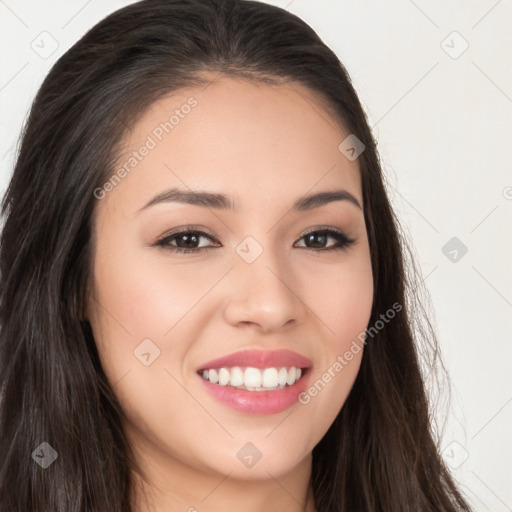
253	141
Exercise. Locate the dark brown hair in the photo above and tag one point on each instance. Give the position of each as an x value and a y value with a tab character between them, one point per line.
379	455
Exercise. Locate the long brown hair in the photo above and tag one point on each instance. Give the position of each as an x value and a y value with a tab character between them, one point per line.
379	455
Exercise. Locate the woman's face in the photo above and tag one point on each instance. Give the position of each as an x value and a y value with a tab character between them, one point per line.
255	287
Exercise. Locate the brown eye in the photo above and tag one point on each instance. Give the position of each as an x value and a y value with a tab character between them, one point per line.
318	239
185	241
188	241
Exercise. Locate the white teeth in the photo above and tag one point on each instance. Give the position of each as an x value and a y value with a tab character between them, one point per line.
254	379
270	379
291	376
237	377
224	377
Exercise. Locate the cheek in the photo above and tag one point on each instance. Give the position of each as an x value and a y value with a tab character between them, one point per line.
353	298
344	301
345	309
139	299
148	296
138	306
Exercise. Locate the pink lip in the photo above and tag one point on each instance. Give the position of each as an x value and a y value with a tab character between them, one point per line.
259	402
259	359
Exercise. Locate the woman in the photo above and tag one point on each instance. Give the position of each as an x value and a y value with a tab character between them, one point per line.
203	300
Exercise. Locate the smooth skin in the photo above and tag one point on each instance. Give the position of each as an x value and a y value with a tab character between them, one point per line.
264	147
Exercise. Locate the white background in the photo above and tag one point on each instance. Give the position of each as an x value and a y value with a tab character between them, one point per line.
444	127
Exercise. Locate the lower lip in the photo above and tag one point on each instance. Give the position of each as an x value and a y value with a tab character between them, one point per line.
257	402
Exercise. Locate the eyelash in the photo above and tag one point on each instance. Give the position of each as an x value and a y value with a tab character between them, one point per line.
342	239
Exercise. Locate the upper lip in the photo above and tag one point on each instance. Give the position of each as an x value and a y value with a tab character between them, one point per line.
259	359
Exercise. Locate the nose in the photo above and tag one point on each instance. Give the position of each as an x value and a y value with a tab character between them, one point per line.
265	295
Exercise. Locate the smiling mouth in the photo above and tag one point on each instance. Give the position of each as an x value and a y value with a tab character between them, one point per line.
254	379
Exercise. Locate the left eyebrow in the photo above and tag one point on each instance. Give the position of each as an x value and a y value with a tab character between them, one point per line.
321	198
223	202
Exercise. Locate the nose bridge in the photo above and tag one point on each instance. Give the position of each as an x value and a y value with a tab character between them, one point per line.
262	289
262	261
